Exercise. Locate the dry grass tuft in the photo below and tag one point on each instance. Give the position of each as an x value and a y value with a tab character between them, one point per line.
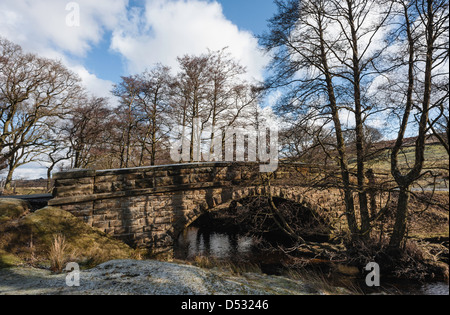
58	253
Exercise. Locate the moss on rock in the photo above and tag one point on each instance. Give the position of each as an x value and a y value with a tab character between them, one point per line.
8	260
12	209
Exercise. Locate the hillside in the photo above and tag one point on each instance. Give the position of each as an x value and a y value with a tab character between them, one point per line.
436	166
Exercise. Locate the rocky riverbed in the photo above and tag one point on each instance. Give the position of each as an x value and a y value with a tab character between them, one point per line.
129	277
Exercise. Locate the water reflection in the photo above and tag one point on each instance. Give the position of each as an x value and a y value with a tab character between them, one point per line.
435	289
196	242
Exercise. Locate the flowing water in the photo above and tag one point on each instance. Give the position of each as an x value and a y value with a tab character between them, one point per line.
236	248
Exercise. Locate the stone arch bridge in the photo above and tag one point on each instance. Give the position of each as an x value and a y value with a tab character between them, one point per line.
150	206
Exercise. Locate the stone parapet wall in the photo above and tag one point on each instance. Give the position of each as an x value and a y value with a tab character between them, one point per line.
150	206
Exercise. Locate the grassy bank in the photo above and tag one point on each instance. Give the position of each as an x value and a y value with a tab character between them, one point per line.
51	237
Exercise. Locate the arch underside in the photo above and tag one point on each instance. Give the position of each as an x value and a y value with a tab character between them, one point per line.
222	199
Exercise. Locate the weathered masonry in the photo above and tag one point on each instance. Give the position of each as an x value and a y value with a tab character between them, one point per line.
150	206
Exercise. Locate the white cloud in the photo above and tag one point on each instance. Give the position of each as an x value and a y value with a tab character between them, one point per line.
93	84
30	171
166	29
39	26
273	98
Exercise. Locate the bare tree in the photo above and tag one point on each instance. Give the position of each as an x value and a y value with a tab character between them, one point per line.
89	131
327	56
227	86
128	93
425	30
153	110
360	22
33	91
57	148
298	38
36	146
193	86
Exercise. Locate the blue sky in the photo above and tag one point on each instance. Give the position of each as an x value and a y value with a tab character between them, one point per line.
249	14
122	37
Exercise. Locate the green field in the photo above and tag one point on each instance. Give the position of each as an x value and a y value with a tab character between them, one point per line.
436	167
436	158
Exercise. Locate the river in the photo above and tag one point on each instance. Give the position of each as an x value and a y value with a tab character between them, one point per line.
234	248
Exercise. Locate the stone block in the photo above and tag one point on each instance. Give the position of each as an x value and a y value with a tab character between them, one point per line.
136	229
105	179
74	174
101	225
116	223
144	183
163	220
155	173
181	180
99	217
179	171
120	230
69	191
74	181
105	187
163	181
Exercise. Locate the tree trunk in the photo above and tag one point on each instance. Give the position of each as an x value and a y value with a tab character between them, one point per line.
49	177
406	181
153	153
343	163
401	219
363	206
9	177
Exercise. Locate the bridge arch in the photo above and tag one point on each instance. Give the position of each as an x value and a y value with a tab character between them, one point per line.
223	199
